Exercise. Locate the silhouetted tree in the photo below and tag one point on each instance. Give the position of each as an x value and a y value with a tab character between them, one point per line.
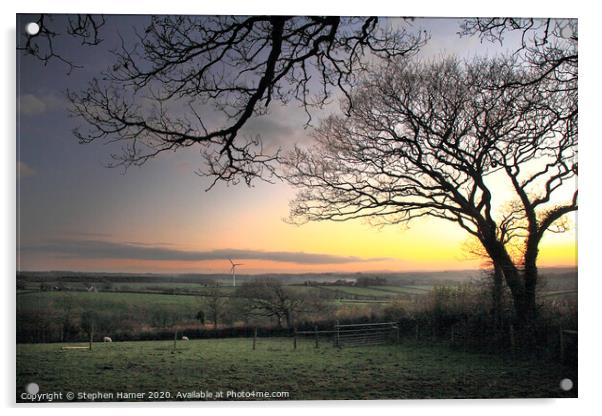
549	47
215	302
511	226
427	139
197	80
270	298
43	46
549	50
494	276
89	322
65	309
200	316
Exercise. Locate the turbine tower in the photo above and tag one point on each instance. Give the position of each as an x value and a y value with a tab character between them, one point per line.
233	270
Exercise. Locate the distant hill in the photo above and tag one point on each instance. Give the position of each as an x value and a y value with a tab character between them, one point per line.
553	277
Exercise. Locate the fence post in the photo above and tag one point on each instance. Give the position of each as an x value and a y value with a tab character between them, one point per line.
561	346
91	335
175	338
316	334
336	335
295	338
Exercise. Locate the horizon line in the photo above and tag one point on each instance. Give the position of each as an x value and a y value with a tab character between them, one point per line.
283	273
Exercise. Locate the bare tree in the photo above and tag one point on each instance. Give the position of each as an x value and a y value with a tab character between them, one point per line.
43	46
197	80
66	305
427	140
549	49
511	226
270	298
494	275
216	303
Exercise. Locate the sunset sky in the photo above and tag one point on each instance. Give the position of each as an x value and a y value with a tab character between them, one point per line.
76	214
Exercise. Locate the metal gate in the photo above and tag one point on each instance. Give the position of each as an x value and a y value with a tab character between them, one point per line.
352	335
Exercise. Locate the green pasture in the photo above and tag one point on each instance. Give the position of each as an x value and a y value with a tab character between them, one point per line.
405	371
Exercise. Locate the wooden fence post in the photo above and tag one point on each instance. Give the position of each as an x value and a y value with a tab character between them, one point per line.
175	337
295	338
336	335
254	337
561	346
316	334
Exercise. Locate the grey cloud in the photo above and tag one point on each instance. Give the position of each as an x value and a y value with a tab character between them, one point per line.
30	104
266	125
81	234
95	249
271	131
24	170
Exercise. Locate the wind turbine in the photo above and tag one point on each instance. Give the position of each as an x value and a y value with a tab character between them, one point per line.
233	270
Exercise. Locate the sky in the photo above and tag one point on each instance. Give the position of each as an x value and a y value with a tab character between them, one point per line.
74	213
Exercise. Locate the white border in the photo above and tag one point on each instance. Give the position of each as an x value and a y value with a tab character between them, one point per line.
589	217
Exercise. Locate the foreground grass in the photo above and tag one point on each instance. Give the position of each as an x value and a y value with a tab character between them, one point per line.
406	371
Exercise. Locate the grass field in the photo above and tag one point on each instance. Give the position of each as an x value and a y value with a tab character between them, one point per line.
559	293
410	290
406	371
383	292
359	291
108	301
159	287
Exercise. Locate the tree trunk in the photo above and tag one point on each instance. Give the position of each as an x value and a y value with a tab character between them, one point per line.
289	319
531	275
519	298
498	276
502	260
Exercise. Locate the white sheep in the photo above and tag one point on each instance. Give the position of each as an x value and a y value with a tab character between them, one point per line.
185	338
107	339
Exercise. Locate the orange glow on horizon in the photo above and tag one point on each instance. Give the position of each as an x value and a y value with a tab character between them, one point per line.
428	245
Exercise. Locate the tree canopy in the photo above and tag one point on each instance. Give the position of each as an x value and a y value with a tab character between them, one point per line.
197	80
432	139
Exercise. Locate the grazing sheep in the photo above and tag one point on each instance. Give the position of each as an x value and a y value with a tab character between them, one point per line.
107	339
185	338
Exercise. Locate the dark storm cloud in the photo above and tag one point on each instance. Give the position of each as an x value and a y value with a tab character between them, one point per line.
95	249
